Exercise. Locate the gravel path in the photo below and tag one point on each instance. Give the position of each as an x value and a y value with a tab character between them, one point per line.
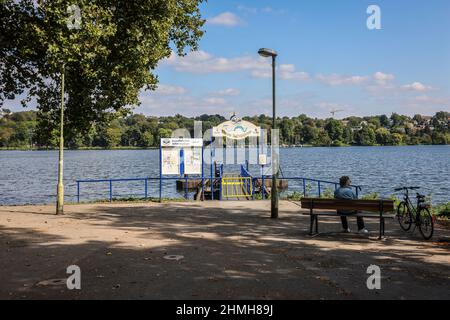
209	250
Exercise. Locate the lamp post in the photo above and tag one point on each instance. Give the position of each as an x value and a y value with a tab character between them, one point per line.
266	53
60	189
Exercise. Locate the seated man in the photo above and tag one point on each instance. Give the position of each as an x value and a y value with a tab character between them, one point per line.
346	192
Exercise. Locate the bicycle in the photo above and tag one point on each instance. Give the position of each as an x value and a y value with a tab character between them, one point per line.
420	215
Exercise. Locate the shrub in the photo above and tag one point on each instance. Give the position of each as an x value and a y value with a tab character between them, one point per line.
371	196
442	210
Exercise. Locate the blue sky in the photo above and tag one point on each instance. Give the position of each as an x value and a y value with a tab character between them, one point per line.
328	59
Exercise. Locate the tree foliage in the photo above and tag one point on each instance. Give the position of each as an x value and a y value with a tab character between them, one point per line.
107	61
21	129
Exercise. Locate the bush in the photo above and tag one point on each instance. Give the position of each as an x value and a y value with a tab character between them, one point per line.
371	196
327	193
295	196
442	210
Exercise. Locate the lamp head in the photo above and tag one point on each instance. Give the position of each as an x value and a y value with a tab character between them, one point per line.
264	52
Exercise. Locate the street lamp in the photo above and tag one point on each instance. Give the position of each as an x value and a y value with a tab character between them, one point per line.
266	53
60	189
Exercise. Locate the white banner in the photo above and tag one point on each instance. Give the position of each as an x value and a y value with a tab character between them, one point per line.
181	142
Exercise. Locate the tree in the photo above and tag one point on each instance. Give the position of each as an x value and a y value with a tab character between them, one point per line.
397	139
5	136
439	138
440	121
113	135
287	130
309	134
383	136
348	135
398	120
164	133
335	130
418	119
108	60
323	139
147	139
365	137
384	121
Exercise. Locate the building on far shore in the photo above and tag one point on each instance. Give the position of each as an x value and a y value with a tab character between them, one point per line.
4	112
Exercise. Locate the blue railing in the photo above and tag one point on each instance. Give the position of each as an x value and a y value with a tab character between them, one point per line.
244	172
144	180
320	184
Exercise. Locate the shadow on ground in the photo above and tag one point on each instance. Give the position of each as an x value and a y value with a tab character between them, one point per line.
230	251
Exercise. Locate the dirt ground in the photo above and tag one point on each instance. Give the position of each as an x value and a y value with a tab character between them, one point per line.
230	250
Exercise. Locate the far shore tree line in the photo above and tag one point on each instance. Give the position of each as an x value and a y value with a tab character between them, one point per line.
25	130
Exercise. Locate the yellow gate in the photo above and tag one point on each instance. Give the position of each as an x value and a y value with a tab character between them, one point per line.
237	187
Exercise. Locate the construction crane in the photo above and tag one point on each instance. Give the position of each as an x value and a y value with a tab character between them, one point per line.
334	111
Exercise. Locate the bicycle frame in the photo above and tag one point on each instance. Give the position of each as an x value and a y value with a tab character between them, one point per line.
409	203
414	210
415	214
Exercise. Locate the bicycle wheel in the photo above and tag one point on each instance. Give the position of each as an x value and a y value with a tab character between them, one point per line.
426	226
404	216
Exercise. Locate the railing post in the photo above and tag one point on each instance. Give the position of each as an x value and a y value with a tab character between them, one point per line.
253	188
212	173
185	187
78	191
160	173
203	175
110	190
318	185
146	188
263	185
304	187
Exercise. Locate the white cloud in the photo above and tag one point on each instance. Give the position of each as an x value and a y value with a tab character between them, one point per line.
203	62
383	78
215	101
226	19
227	92
336	79
284	72
254	10
432	100
288	72
188	105
168	90
417	86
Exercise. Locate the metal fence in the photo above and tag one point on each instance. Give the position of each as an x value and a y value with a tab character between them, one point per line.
307	186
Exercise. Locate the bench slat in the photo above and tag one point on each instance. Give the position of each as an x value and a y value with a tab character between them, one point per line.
365	208
359	214
338	204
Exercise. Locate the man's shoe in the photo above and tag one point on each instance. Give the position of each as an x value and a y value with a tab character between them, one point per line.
346	230
364	231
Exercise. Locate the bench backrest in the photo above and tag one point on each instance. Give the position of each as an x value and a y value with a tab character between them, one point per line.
338	204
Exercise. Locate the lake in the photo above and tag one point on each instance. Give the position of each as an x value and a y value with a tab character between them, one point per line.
31	176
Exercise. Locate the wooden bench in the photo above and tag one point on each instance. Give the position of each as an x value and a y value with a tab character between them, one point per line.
364	208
